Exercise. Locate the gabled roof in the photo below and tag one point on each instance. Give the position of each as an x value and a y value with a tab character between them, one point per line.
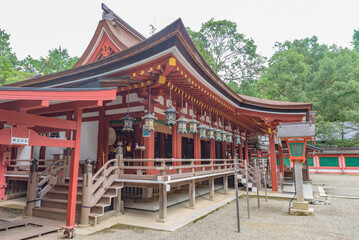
172	40
272	103
112	35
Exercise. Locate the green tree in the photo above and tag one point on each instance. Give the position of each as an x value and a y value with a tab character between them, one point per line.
8	62
285	77
356	40
305	71
59	60
229	53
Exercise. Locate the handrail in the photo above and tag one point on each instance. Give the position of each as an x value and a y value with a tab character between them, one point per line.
170	167
51	174
103	179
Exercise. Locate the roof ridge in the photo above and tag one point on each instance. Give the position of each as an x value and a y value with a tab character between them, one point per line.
111	15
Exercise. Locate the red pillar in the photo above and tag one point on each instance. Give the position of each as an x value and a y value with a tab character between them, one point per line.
5	157
280	159
74	171
100	138
273	164
246	155
240	151
212	149
149	143
179	146
195	145
68	133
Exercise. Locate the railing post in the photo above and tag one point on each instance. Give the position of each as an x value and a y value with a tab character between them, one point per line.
122	165
265	179
192	168
192	193
86	193
163	195
212	167
62	172
31	188
258	183
246	173
225	184
211	188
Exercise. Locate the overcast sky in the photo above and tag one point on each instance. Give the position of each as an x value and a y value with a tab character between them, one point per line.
39	25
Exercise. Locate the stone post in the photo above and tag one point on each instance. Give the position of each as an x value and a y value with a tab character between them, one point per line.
118	200
86	193
299	181
163	195
225	184
31	188
300	207
192	193
211	188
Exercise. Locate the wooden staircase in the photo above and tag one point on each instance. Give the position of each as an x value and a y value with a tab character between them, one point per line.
54	203
251	183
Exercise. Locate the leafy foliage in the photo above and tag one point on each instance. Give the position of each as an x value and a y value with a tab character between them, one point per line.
60	60
356	40
302	70
328	77
8	61
230	54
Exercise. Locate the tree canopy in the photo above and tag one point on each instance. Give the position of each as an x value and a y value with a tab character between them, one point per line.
229	53
59	60
302	70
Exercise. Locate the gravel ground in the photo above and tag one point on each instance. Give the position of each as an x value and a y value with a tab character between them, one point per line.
336	221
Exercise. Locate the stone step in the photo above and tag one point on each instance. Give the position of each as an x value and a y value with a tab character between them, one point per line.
57	203
53	213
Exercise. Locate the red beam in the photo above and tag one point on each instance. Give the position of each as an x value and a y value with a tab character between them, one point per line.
63	107
56	94
24	105
14	118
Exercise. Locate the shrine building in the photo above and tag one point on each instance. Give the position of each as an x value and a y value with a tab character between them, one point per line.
141	116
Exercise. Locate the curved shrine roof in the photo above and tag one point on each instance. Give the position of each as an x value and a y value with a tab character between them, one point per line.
173	40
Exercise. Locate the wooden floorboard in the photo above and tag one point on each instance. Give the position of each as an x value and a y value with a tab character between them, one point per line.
37	232
45	226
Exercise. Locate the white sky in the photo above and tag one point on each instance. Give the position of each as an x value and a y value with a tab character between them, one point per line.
39	25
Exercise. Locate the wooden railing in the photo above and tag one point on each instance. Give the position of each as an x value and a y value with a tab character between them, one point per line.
103	179
172	169
16	168
51	175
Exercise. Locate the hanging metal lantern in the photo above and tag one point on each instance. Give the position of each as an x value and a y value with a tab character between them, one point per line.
224	136
170	115
127	120
210	133
182	125
202	131
229	137
127	123
193	126
218	133
149	122
237	139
